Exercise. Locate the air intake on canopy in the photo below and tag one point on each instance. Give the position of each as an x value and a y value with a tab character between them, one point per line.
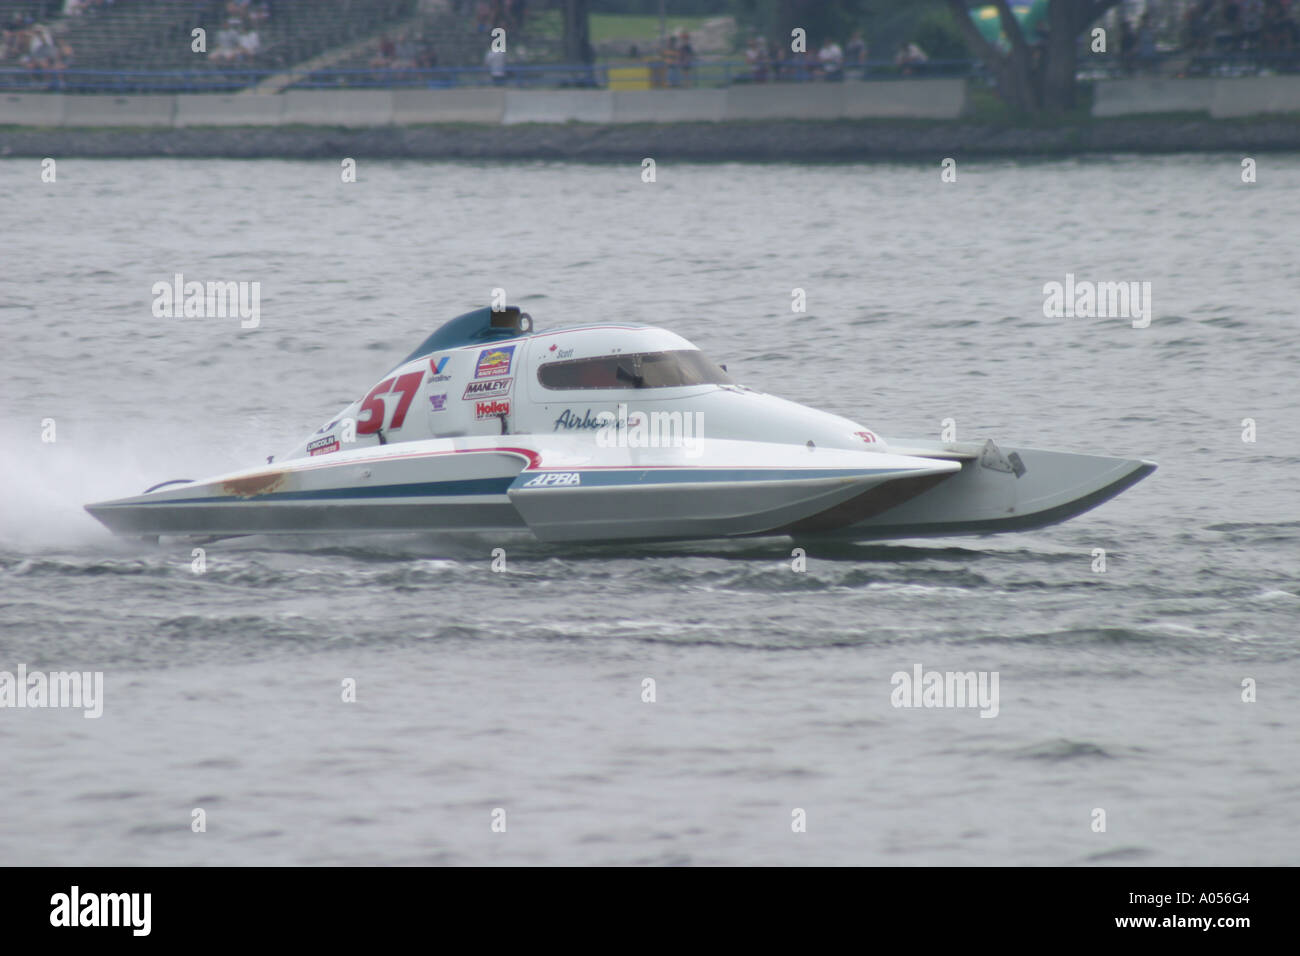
513	318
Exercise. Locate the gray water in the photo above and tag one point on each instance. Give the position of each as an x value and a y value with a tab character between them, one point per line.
522	690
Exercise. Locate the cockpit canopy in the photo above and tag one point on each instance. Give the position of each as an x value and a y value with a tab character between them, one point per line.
673	368
489	373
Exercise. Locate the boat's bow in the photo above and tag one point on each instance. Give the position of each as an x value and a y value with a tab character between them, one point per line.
1001	489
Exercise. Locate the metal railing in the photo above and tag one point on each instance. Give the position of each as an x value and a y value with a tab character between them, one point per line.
704	75
552	76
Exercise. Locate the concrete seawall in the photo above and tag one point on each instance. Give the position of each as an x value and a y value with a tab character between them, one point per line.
916	99
808	122
1217	97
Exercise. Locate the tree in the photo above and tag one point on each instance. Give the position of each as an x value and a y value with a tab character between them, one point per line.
577	32
1039	78
820	19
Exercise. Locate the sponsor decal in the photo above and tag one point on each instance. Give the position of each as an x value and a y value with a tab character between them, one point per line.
492	409
494	361
323	446
439	402
488	389
868	437
559	353
436	367
553	479
569	420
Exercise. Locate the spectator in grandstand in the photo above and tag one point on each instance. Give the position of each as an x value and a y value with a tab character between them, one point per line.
1197	26
909	58
408	51
672	61
387	53
249	44
831	60
515	13
42	53
12	42
1279	35
686	57
1128	42
228	48
757	61
1252	22
1146	38
857	52
779	57
495	61
1227	32
810	65
427	58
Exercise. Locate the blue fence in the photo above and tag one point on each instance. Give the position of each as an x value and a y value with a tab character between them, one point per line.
562	76
553	76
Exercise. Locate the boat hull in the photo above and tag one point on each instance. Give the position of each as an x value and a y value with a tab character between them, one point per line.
559	490
1002	490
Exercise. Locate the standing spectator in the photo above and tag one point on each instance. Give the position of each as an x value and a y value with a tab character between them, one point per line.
428	58
1252	21
1146	43
1227	35
495	61
1196	26
672	61
407	52
227	49
1128	41
780	61
831	59
249	44
387	53
515	13
909	58
1279	30
756	60
857	53
686	58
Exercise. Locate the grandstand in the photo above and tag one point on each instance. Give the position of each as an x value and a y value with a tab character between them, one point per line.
135	38
267	46
439	46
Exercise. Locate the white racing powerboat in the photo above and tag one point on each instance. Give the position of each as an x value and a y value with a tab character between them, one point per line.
613	432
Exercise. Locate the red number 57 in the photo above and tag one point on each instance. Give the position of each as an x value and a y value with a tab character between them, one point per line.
406	385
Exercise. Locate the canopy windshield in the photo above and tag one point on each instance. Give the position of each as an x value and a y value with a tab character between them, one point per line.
671	369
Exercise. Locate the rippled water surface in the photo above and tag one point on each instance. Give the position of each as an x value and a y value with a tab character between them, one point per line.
477	690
